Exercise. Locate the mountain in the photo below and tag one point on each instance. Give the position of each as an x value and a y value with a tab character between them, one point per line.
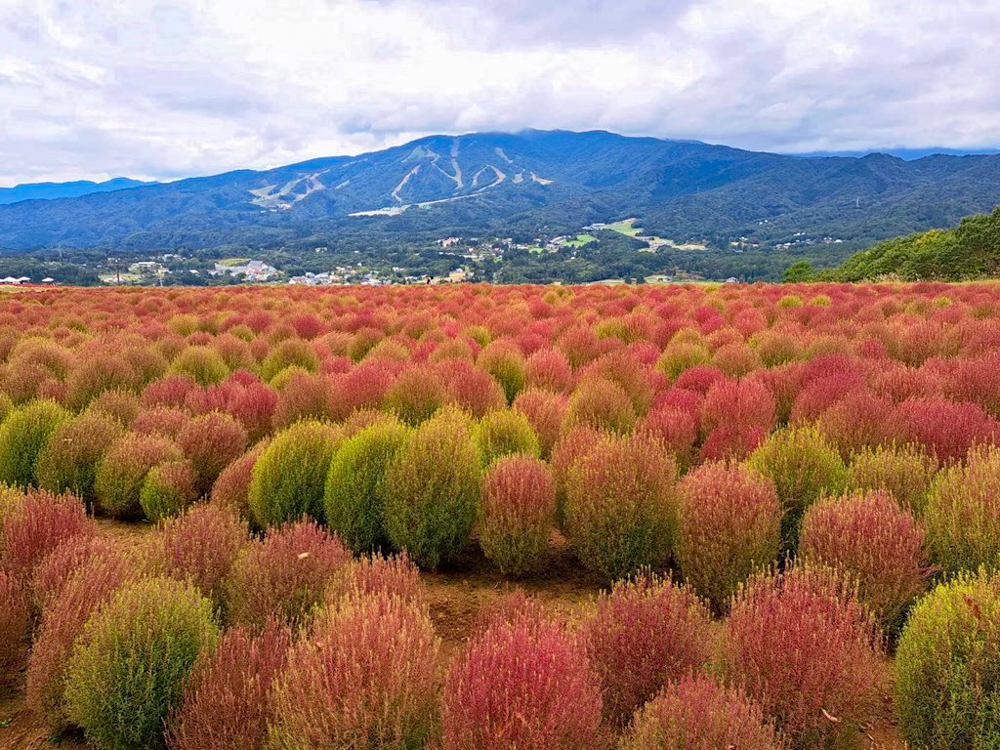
522	185
48	190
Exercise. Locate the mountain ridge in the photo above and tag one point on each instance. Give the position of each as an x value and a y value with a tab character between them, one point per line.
533	181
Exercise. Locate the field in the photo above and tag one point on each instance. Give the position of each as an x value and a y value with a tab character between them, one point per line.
465	517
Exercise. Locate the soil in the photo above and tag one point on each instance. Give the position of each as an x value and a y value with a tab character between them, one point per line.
456	595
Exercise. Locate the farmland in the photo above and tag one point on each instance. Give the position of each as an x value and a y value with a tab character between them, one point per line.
471	516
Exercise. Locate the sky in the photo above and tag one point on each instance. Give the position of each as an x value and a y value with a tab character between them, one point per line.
160	90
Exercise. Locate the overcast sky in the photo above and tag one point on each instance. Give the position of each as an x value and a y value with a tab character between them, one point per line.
154	89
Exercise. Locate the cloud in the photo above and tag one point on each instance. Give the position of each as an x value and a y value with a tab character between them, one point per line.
164	89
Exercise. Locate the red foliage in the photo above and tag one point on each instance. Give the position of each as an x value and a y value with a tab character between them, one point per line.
35	526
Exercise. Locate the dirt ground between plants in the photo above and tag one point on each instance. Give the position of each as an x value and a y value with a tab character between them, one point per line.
456	597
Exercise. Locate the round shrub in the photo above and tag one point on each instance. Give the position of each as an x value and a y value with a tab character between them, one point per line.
697	713
471	388
416	394
202	363
34	526
201	546
674	428
643	635
945	428
375	574
947	685
69	460
122	472
232	489
366	677
168	489
15	625
874	541
23	435
621	506
161	420
432	490
283	575
55	569
306	395
521	683
62	623
355	494
504	360
504	432
123	406
602	405
518	511
290	476
802	465
963	513
228	702
729	525
127	671
905	472
211	442
289	353
545	412
805	647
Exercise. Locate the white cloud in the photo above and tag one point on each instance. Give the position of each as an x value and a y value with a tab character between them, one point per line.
162	89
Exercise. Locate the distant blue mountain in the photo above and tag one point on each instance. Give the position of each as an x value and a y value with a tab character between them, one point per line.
906	154
50	190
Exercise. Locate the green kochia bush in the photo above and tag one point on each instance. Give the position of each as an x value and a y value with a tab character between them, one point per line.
23	435
168	489
948	667
504	432
432	490
621	506
68	462
122	471
355	486
290	476
127	672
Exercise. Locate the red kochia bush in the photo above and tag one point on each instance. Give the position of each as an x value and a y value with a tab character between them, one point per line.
868	536
366	677
15	622
697	713
471	388
518	510
642	636
228	702
621	506
375	574
523	683
729	525
35	526
232	489
803	645
545	412
283	575
549	369
602	405
943	427
744	403
211	442
201	546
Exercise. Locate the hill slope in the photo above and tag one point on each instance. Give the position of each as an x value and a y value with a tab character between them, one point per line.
525	183
50	190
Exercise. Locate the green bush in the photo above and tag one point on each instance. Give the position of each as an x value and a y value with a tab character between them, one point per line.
355	485
168	489
803	466
69	460
290	476
505	432
205	365
123	470
948	667
23	435
128	669
905	471
432	490
963	513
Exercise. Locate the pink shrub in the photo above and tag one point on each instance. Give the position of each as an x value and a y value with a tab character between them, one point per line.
375	574
550	370
518	510
869	537
731	442
364	387
254	407
228	700
232	488
283	575
366	677
15	625
201	546
737	403
729	525
697	713
545	412
525	684
674	428
416	394
36	525
211	442
171	391
306	395
56	568
856	421
160	420
643	635
804	646
601	405
943	427
470	387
